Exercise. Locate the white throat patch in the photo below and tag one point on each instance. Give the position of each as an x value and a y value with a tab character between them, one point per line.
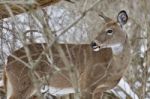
117	48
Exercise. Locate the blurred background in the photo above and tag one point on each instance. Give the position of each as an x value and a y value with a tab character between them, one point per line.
56	18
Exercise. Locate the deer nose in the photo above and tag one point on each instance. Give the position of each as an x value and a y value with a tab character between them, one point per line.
93	44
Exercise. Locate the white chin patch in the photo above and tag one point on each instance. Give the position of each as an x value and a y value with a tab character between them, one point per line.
96	48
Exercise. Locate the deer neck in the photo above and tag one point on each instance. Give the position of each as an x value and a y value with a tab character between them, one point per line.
120	48
122	57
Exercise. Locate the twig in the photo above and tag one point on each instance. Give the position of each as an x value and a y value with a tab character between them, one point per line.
17	58
68	27
76	21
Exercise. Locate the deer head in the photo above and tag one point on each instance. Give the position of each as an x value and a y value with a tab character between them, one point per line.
112	34
113	37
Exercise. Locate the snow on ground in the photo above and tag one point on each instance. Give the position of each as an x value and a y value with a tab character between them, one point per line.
1	83
125	87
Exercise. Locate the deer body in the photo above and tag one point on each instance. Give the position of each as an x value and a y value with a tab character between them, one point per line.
78	53
100	65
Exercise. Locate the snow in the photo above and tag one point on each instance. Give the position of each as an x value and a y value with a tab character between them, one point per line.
1	83
57	91
125	87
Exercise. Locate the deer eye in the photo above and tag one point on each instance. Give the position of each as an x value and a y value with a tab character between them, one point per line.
109	32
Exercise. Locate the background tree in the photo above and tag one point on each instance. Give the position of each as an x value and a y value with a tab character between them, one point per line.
75	26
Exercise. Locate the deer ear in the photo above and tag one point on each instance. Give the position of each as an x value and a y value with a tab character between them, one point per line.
122	17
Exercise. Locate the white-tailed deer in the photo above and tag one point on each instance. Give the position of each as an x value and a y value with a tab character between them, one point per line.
100	64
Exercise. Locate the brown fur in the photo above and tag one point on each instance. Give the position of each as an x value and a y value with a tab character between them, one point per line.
98	70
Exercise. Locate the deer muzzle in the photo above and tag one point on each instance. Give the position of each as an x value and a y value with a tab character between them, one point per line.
95	46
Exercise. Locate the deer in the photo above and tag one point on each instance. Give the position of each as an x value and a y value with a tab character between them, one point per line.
100	64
